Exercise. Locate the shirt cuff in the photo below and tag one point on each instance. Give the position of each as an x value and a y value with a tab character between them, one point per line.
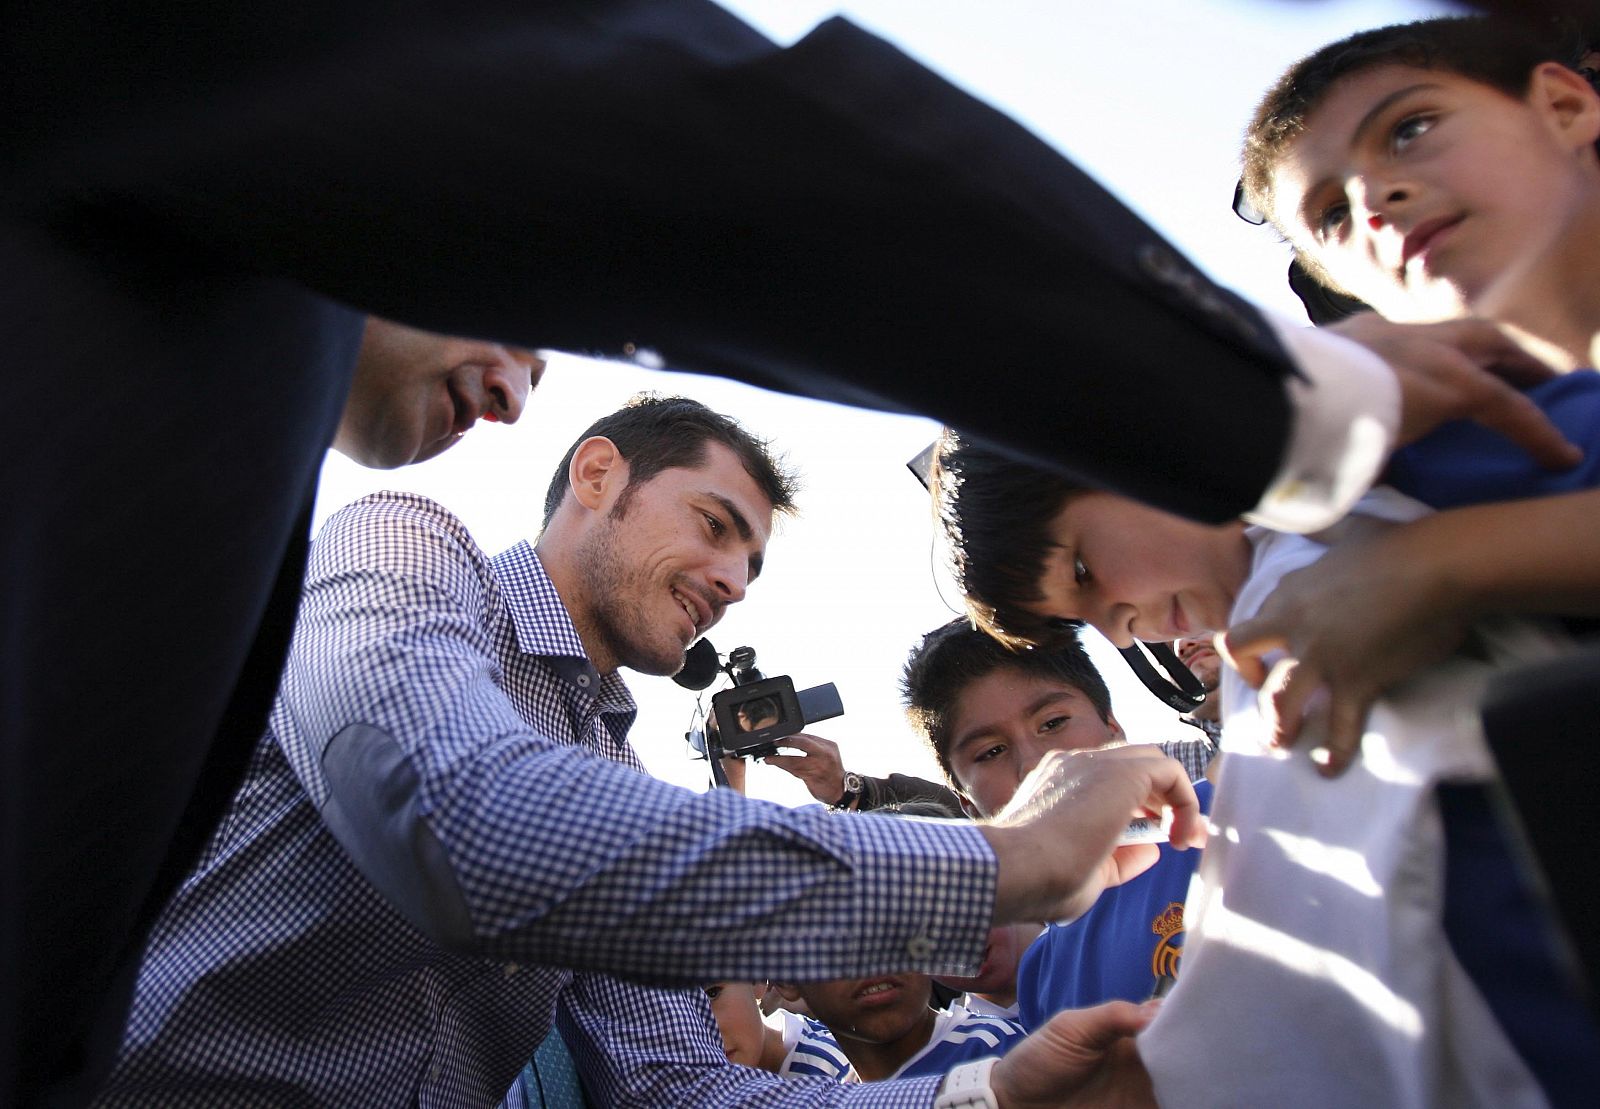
1346	405
935	882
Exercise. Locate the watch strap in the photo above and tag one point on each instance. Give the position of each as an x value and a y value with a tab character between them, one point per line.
967	1086
852	790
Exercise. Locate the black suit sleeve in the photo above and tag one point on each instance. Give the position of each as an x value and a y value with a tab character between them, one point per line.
829	219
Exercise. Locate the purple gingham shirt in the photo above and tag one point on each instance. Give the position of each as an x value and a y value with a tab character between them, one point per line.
426	838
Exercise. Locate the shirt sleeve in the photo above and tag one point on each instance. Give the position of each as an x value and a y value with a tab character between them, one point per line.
901	789
495	840
645	1048
1346	405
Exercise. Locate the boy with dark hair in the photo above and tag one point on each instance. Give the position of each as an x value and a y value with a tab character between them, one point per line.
1417	169
989	713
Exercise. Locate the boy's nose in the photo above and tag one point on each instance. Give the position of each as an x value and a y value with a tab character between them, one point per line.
1375	221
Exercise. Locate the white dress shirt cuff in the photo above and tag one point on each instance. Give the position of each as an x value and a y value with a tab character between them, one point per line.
1346	405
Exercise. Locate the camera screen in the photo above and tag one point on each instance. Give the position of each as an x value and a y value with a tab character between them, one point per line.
757	713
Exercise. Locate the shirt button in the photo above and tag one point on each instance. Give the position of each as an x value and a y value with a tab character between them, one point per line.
512	969
583	680
919	947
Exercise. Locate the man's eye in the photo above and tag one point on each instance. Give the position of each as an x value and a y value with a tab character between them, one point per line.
1080	572
1409	128
717	526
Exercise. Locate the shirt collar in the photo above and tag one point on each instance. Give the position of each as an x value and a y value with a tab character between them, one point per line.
544	627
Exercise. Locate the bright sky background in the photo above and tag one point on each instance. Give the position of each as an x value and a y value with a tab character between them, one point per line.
1150	97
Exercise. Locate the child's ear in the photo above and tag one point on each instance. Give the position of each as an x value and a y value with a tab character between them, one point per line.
1568	103
789	991
968	807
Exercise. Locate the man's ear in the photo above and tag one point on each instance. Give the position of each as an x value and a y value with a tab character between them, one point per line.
598	472
1568	103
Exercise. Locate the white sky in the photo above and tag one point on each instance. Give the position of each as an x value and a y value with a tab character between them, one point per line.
1150	97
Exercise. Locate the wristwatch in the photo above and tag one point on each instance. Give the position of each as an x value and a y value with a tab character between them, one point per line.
853	785
967	1087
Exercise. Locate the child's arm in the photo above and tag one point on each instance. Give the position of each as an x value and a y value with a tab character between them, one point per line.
1374	610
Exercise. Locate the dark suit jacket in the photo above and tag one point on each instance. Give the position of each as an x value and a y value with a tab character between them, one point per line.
192	194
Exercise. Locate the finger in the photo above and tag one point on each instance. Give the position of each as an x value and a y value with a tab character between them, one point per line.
791	763
803	742
1244	645
1347	723
1291	691
1171	788
1100	1026
1520	420
1129	861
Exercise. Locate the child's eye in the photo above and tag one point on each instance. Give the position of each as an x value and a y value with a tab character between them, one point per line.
1329	219
1055	723
1409	128
1080	572
713	992
990	753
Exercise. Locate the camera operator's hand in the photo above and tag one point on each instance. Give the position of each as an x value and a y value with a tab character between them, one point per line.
1055	840
735	769
1080	1057
820	767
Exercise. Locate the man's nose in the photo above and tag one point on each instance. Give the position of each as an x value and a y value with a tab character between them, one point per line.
730	578
507	383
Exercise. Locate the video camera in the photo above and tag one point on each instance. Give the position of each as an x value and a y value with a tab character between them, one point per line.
758	711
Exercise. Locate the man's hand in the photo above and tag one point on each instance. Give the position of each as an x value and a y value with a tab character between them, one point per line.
1081	1057
820	767
1463	370
735	770
1365	616
1055	840
1380	606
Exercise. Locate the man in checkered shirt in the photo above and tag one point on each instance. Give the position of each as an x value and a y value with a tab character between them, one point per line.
445	814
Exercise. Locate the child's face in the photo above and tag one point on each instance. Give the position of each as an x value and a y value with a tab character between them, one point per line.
883	1010
1432	196
1135	572
734	1004
1003	723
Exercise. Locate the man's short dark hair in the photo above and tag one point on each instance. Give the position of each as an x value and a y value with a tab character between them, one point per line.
996	514
1498	52
950	658
655	433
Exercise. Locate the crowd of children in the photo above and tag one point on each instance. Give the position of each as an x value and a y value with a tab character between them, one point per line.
1361	929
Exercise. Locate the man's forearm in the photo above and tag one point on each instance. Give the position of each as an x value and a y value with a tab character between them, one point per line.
592	864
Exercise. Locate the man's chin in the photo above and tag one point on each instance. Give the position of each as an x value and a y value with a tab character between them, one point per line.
656	665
